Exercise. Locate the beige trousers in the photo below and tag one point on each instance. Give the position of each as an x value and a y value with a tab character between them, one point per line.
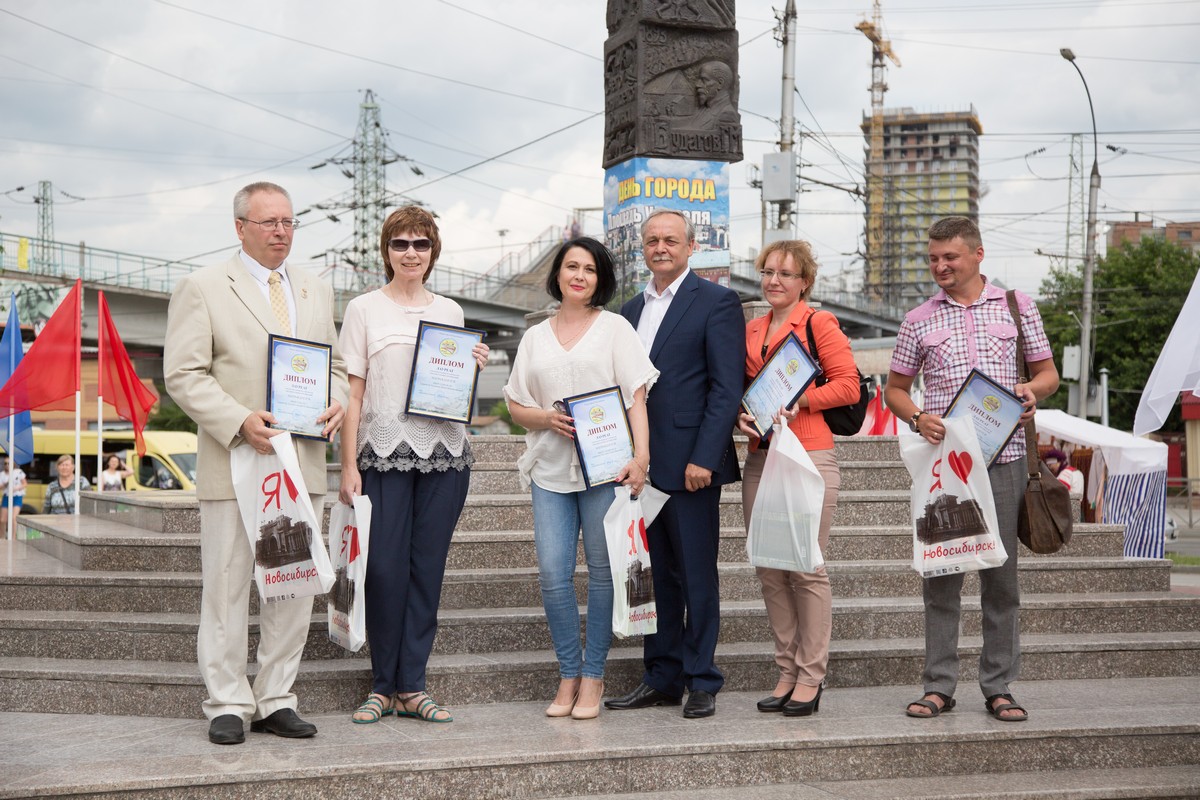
799	604
222	643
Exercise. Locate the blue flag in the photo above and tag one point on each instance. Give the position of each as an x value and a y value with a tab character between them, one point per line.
11	352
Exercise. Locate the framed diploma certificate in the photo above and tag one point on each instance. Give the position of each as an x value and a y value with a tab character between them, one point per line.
995	411
298	382
602	435
786	374
444	373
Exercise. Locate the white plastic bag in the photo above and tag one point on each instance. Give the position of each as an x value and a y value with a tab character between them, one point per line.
953	513
785	523
350	541
625	526
284	531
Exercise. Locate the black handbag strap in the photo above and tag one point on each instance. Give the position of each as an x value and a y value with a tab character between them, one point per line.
1031	450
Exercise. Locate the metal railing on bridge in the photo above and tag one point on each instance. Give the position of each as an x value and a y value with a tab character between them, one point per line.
745	270
27	256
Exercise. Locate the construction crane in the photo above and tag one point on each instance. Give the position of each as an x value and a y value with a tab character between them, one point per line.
881	48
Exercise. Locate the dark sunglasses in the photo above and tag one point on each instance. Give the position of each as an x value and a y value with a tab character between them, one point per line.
400	245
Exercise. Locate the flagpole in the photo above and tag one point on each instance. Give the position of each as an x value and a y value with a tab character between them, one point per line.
78	405
12	465
100	396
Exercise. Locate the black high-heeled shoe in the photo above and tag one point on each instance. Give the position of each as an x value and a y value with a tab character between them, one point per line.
794	708
773	703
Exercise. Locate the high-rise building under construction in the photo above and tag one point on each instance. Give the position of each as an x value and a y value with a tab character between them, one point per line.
920	167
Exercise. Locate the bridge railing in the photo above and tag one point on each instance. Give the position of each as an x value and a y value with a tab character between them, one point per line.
23	255
745	270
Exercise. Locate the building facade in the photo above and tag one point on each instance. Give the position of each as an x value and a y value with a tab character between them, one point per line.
920	167
1184	234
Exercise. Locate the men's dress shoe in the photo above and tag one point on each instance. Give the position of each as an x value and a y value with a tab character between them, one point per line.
284	722
700	704
226	729
642	697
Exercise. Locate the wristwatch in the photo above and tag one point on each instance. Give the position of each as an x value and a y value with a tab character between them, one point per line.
912	423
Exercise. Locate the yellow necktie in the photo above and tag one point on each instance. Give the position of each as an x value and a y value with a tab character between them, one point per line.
279	302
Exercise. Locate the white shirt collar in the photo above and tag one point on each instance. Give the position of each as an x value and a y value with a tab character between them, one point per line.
261	273
653	294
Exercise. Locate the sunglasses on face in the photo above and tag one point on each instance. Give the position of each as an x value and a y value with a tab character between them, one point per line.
401	245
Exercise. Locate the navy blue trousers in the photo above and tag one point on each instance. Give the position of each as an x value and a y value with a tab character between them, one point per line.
413	515
683	556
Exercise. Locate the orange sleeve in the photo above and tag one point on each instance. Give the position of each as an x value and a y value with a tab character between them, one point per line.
837	362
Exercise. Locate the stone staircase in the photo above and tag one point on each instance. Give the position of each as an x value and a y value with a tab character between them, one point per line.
110	630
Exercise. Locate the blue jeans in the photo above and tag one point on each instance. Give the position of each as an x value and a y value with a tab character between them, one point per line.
557	519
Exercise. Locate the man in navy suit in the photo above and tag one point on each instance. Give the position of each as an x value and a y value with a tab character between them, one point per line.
695	334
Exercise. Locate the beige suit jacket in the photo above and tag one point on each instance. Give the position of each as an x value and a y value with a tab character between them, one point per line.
215	362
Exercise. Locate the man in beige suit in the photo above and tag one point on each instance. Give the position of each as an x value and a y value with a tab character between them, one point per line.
216	370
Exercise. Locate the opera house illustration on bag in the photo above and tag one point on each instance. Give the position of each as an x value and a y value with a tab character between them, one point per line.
946	518
342	595
639	585
282	542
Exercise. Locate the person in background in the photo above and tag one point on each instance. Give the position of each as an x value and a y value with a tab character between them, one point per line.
18	493
1067	475
415	470
60	493
582	348
112	478
799	605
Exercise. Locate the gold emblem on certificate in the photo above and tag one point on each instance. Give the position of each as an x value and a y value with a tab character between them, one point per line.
785	375
298	384
994	411
444	374
603	439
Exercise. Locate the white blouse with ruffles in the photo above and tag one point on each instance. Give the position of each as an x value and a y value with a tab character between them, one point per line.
609	354
378	339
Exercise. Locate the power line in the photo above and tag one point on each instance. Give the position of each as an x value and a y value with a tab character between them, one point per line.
521	31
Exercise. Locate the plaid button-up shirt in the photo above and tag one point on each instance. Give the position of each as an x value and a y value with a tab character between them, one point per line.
946	340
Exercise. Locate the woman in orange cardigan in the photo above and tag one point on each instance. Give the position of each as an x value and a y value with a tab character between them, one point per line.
799	604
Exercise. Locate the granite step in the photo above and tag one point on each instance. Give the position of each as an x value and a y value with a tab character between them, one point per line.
1157	783
518	586
104	544
159	636
856	747
174	689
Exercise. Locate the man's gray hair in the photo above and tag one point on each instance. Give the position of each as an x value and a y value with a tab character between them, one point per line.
241	200
691	229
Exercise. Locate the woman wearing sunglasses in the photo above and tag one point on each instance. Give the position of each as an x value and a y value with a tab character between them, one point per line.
415	470
582	348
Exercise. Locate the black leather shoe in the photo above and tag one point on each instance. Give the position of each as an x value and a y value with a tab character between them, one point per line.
642	697
226	729
284	722
794	708
773	703
700	704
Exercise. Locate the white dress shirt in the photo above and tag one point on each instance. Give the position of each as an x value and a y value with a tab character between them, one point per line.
261	275
655	309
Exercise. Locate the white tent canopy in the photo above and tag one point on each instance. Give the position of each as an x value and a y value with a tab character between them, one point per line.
1135	489
1177	369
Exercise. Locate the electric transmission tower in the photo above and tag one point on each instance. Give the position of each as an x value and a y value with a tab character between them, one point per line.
1073	253
45	204
369	198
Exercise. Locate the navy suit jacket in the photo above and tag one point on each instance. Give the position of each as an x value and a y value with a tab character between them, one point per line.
700	351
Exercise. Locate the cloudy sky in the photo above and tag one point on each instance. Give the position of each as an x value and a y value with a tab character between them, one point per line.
147	115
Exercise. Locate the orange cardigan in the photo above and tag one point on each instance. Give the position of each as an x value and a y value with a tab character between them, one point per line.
837	362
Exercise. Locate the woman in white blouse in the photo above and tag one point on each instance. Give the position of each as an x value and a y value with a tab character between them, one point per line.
581	349
415	470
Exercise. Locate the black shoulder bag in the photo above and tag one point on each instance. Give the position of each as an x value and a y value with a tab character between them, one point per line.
842	420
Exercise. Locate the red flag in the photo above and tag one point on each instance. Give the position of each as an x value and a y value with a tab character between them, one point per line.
880	419
48	377
119	384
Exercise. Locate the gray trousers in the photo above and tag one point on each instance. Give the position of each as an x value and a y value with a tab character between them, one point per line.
1000	659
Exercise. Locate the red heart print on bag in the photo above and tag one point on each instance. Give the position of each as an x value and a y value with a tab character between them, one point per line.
960	463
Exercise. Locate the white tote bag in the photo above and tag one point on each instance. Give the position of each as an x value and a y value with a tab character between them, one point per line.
284	530
785	522
625	525
953	513
349	541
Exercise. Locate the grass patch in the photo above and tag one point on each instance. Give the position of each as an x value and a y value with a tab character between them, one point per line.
1184	561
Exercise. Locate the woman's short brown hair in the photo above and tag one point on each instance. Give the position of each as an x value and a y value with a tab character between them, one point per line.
801	253
417	220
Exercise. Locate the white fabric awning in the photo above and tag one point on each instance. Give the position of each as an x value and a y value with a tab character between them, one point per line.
1124	453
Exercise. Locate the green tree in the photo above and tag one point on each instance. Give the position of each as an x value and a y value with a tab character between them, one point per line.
1138	291
168	416
500	409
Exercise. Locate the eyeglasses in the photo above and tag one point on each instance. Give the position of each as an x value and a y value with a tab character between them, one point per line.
786	277
272	224
401	245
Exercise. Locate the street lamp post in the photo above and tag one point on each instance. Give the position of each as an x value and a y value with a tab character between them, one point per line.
1089	256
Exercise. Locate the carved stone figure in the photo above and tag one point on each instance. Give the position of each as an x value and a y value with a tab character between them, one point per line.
671	81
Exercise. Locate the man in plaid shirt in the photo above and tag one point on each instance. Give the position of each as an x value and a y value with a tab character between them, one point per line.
967	325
